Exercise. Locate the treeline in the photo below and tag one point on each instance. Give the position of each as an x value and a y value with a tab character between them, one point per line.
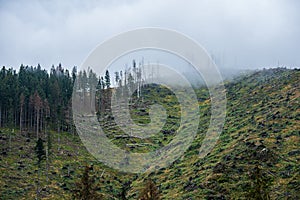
33	99
123	84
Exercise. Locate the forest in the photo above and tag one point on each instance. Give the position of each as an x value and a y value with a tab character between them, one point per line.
33	99
35	103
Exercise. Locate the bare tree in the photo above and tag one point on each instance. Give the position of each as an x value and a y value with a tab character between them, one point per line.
37	105
22	99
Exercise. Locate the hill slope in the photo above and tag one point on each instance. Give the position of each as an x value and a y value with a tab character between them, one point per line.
258	152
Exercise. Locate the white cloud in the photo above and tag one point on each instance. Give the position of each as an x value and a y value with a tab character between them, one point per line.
249	33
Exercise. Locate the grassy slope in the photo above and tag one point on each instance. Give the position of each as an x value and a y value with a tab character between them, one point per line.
261	129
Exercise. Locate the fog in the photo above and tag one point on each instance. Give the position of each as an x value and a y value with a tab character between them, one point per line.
247	34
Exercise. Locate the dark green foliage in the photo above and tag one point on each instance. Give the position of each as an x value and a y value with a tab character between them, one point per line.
260	184
86	188
40	153
19	92
40	150
124	190
107	79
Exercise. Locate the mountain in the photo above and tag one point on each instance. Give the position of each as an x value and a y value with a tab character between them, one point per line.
256	157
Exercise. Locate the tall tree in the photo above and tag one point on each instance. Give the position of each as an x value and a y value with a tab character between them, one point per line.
22	100
117	78
85	188
37	106
92	82
107	79
40	153
74	74
48	137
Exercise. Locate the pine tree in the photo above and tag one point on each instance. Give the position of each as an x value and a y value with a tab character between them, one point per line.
107	79
117	78
85	188
74	73
260	185
40	153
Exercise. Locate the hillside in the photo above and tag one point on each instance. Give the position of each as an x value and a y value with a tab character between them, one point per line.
258	151
261	131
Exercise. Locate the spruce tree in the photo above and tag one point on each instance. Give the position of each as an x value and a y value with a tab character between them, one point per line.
107	79
40	153
85	188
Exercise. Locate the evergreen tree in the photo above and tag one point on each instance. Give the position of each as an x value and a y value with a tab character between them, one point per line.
74	73
117	78
40	150
102	83
124	190
259	186
107	79
85	188
40	153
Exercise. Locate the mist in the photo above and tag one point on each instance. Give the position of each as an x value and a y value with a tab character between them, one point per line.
246	34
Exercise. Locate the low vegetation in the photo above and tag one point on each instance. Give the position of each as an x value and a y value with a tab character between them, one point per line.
256	157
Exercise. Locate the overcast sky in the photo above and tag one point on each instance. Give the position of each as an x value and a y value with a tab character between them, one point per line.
247	34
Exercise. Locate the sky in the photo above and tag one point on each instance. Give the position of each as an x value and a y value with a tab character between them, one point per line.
247	34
